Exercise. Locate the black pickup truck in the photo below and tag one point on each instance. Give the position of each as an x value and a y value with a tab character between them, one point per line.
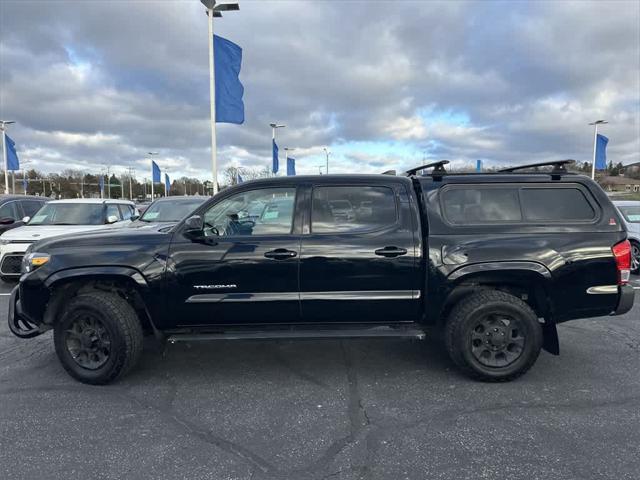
495	260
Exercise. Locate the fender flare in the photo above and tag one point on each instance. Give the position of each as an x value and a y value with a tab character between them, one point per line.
485	267
98	271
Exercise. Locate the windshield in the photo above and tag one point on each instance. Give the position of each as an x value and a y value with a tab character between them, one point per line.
171	211
69	214
631	214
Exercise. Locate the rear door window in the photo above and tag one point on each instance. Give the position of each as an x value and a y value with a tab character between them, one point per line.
555	205
352	209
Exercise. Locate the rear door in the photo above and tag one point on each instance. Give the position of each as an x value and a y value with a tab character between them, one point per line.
358	262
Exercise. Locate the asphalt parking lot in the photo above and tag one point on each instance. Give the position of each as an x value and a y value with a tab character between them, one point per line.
326	410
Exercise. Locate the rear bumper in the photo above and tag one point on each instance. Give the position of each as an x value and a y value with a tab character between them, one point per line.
625	303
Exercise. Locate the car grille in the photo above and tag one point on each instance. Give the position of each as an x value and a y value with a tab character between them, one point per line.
11	265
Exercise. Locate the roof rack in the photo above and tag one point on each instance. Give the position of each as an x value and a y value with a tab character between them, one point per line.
438	168
559	166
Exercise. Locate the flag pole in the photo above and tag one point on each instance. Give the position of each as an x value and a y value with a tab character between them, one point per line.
4	154
212	99
152	180
595	141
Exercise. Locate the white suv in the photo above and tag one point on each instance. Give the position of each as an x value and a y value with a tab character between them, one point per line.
60	217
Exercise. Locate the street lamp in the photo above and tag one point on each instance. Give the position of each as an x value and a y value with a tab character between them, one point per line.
327	153
3	127
214	10
595	141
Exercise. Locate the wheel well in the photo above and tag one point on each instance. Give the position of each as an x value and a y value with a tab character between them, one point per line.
528	286
64	290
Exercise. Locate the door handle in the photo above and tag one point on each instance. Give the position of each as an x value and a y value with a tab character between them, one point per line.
391	251
280	254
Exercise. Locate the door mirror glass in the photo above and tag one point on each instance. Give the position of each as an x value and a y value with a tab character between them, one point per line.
26	219
7	221
112	219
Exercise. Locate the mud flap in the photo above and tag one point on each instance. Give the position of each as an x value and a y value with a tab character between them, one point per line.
550	342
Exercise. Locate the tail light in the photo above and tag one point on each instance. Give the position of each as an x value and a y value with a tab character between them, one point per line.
622	254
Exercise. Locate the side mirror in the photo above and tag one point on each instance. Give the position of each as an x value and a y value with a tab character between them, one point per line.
26	219
134	217
7	221
112	219
194	224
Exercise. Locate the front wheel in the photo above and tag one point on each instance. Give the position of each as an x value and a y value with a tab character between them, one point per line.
98	338
493	336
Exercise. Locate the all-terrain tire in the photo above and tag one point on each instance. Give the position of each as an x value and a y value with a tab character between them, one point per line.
464	321
123	329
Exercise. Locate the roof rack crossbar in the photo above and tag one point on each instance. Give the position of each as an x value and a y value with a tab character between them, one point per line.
438	168
559	166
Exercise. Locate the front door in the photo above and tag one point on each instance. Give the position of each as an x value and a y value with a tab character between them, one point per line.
359	262
245	269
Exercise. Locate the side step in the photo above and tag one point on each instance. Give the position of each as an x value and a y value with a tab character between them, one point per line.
301	333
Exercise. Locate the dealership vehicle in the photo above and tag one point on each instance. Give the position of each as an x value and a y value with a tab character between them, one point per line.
60	217
171	209
630	211
496	260
15	209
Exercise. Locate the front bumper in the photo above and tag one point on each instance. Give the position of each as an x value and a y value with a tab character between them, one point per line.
19	323
625	303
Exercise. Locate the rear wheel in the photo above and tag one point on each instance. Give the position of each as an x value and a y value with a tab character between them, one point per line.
493	336
98	338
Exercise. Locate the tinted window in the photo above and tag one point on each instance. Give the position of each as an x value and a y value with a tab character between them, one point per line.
266	211
171	210
352	209
475	205
30	207
555	204
8	210
69	214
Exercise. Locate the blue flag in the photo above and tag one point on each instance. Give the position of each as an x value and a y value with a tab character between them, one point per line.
291	166
275	163
167	184
229	89
478	166
240	180
13	163
155	172
601	152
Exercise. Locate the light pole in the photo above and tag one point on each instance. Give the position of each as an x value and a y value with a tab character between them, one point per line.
327	153
151	154
3	127
214	10
595	142
131	173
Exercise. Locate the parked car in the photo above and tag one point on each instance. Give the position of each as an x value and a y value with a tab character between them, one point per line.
15	209
630	211
496	260
60	217
171	209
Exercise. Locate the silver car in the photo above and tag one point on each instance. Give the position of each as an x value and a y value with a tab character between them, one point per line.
630	211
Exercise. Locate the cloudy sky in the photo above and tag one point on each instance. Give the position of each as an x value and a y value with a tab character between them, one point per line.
383	84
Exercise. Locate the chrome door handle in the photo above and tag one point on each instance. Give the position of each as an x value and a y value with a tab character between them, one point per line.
391	251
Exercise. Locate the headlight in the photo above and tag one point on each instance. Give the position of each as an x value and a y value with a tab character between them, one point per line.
31	261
